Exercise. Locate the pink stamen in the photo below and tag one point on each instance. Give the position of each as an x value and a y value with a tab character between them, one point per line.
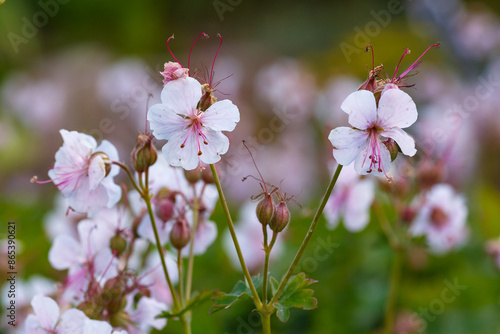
416	62
407	51
107	267
192	46
168	47
213	63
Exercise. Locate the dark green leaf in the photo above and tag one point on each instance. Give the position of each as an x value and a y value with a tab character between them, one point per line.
197	300
240	291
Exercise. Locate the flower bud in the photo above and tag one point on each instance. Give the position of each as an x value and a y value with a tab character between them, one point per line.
207	176
265	209
192	175
91	310
144	154
180	234
173	71
120	319
118	244
392	147
281	217
165	209
207	99
105	158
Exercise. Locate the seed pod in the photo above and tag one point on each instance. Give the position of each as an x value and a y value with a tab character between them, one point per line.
165	209
281	217
118	244
180	234
193	175
265	209
144	153
392	147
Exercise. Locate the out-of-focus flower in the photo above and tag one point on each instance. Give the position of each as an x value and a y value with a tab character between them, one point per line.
61	220
441	218
154	278
84	174
173	71
144	315
351	199
193	135
249	234
493	249
362	143
329	101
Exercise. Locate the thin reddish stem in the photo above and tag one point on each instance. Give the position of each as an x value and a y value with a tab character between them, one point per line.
192	46
412	66
213	63
168	47
407	51
370	47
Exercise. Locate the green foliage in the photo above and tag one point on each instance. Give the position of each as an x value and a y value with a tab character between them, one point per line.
240	291
193	303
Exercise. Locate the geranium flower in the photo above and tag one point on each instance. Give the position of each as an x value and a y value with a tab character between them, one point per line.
84	174
362	143
193	135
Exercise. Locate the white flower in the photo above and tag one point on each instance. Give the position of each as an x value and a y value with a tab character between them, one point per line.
83	173
362	143
193	135
144	315
351	199
441	218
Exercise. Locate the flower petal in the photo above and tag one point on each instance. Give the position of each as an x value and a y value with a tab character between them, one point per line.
218	144
362	109
72	322
221	116
396	109
165	122
65	253
347	144
363	163
357	206
96	171
46	310
182	95
77	147
185	156
405	141
96	327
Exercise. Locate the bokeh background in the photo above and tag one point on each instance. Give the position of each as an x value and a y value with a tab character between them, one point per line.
89	66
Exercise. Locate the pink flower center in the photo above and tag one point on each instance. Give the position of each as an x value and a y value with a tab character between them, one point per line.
196	128
438	217
374	151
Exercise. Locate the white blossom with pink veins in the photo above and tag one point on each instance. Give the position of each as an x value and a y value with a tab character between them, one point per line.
82	175
193	135
249	233
144	315
351	199
87	259
362	143
441	218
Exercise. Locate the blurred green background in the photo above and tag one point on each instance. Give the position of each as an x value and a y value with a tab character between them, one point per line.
80	39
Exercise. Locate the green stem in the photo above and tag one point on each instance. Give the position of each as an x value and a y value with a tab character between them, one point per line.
393	292
308	236
255	295
266	265
186	325
266	322
189	279
132	180
179	269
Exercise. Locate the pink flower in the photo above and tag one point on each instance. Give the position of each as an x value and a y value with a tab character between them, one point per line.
362	143
193	135
173	71
441	218
351	199
83	173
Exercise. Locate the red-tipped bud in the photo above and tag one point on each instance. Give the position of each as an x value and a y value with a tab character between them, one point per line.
193	175
180	234
265	210
105	159
407	215
165	204
281	217
144	154
392	147
118	244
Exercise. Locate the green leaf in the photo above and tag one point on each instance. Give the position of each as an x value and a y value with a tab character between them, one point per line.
274	285
240	291
197	300
295	295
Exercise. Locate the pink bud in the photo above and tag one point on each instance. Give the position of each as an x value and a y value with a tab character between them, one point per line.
174	71
180	234
281	217
265	209
144	153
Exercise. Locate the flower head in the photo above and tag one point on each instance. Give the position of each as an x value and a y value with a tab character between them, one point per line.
84	174
193	135
362	143
173	71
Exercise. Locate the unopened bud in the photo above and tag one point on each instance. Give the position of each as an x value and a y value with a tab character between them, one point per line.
165	209
192	175
105	159
180	234
91	310
118	244
120	319
144	154
207	176
281	217
392	147
265	209
407	215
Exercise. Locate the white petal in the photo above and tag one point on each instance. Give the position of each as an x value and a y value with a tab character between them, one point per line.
362	109
65	252
32	325
144	315
72	322
206	233
109	149
113	191
218	144
46	311
96	327
185	157
357	208
396	109
145	230
347	144
165	122
363	164
405	142
105	265
76	149
221	116
88	201
96	172
332	210
182	95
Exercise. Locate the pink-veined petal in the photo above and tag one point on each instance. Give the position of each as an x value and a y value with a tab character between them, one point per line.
405	141
105	265
221	116
145	314
65	253
165	122
185	156
72	322
76	149
363	162
396	109
218	144
182	95
362	109
96	172
347	144
89	201
46	310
